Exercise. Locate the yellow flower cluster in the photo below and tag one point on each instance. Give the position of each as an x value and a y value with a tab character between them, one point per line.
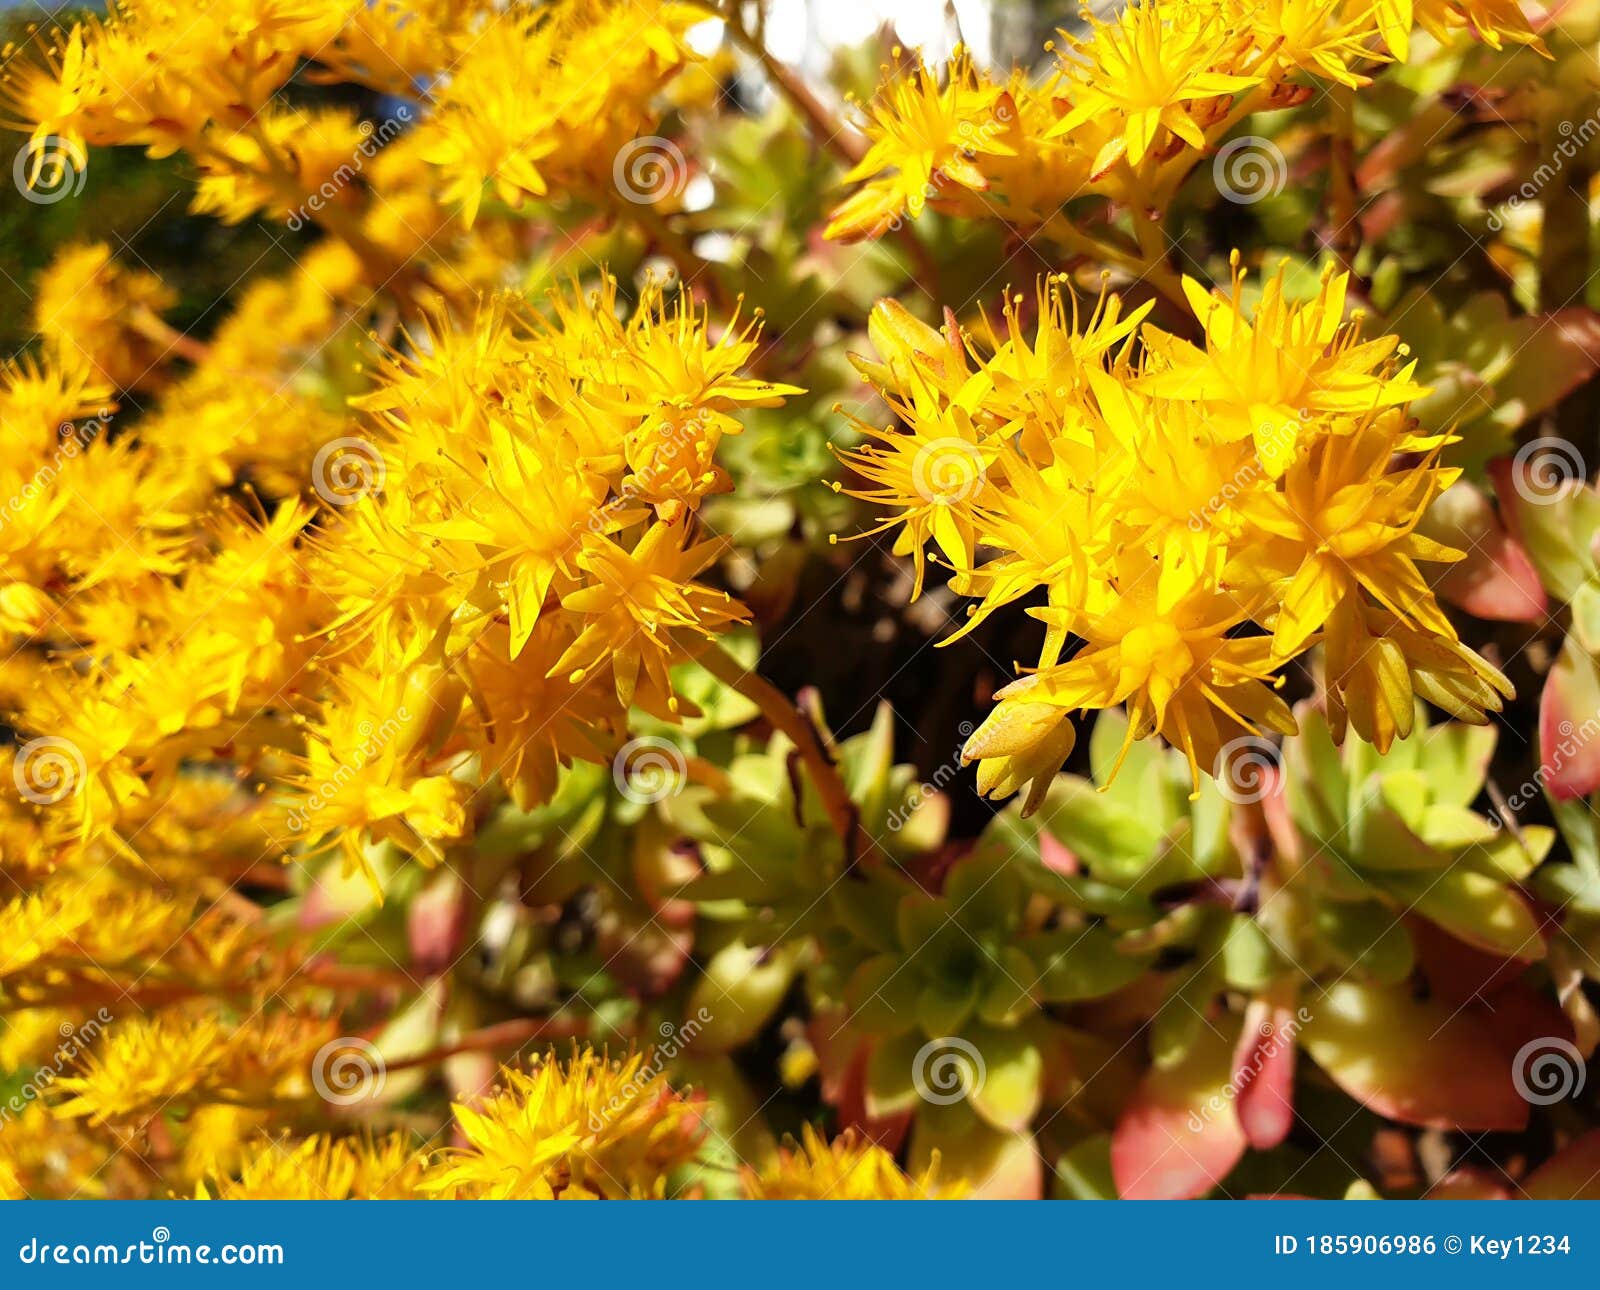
1127	110
266	625
493	583
1196	516
587	1129
507	100
847	1168
516	567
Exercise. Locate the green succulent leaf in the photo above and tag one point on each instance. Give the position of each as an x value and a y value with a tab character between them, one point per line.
1082	963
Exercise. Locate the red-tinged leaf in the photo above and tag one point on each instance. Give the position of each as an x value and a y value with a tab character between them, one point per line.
1420	1061
1404	147
1263	1071
1470	1183
1557	352
1496	580
1573	1173
1179	1135
1569	764
843	1055
664	869
1055	856
1285	838
435	924
1457	972
1549	509
995	1164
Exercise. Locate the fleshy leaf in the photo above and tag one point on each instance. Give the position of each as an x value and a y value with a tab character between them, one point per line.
1179	1136
1569	764
1419	1061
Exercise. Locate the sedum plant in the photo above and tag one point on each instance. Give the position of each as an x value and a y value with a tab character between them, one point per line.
1162	461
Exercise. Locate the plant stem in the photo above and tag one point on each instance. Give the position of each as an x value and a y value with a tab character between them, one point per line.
504	1034
1343	212
784	716
152	328
1151	265
828	130
692	268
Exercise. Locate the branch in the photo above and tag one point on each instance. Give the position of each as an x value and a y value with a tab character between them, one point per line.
784	716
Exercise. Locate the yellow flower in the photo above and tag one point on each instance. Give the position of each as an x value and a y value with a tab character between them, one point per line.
929	136
1265	376
587	1129
1376	668
287	163
86	303
1327	38
1157	66
189	1057
1190	517
1182	673
365	773
848	1168
638	608
1349	521
930	480
320	1168
1492	21
545	101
